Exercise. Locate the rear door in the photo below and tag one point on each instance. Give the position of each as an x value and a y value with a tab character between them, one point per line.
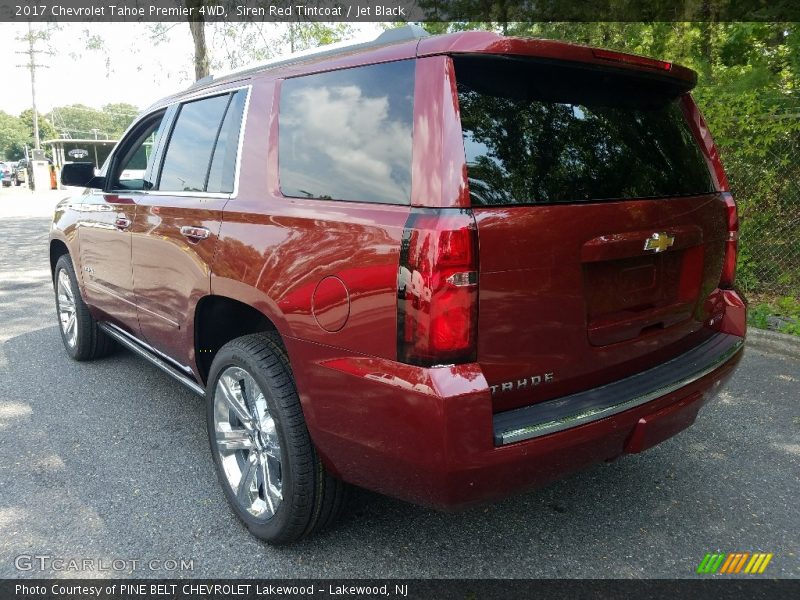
178	222
600	229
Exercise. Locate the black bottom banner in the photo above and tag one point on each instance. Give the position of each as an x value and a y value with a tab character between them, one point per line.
467	589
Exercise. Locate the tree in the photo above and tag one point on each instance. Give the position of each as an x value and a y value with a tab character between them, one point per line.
78	121
119	116
749	93
243	43
197	27
46	129
301	36
13	137
81	121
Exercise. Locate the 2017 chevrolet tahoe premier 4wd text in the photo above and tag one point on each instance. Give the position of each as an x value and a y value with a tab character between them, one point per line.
441	268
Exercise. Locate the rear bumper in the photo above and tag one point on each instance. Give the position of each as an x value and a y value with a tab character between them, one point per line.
592	405
428	436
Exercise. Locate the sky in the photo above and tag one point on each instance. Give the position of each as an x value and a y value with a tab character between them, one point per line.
134	65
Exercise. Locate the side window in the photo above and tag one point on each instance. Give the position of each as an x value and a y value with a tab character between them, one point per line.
346	135
222	172
201	155
135	156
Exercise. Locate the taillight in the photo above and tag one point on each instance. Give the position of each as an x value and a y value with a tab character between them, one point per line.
437	285
728	276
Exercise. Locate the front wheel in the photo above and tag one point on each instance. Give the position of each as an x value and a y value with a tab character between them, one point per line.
83	339
265	460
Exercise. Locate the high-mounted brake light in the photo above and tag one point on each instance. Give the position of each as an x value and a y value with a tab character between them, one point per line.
632	59
437	285
728	276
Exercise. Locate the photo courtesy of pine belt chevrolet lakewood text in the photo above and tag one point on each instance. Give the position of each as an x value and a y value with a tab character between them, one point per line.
441	268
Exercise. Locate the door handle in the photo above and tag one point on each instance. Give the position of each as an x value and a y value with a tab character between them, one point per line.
122	223
195	233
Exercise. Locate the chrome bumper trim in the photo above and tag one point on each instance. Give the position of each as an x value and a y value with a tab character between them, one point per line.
522	424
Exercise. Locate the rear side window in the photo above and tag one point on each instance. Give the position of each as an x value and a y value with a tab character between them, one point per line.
223	164
346	135
544	133
201	156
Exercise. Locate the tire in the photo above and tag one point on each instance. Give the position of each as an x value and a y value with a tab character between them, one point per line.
83	339
288	494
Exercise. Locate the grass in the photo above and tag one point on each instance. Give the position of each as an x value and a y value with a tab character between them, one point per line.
776	313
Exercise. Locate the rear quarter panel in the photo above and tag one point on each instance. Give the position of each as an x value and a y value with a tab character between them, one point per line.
274	251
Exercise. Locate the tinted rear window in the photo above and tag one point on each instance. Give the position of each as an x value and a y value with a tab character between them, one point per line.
346	135
544	133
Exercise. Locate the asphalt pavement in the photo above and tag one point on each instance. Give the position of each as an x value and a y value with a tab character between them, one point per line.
109	461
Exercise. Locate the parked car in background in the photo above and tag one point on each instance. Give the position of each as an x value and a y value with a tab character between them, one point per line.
21	172
442	268
7	172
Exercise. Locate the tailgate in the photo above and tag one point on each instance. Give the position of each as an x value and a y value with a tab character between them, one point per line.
600	229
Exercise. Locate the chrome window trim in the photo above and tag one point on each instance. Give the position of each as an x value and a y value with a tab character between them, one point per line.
188	194
184	100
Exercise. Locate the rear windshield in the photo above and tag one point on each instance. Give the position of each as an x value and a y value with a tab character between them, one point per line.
544	133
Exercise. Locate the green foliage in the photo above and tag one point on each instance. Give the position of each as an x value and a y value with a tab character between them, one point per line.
749	92
758	315
75	120
17	132
791	328
239	44
784	310
80	121
13	136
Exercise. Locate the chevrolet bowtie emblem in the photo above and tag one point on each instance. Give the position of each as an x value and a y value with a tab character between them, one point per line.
658	242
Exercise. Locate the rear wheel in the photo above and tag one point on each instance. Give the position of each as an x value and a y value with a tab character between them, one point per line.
266	463
83	339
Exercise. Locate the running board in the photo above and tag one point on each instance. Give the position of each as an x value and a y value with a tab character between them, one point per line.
137	347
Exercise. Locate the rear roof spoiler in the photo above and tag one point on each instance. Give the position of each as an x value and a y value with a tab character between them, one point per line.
485	42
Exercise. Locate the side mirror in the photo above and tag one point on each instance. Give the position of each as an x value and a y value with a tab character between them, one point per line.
81	174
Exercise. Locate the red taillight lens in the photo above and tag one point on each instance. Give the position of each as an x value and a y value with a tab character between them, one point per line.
438	288
728	276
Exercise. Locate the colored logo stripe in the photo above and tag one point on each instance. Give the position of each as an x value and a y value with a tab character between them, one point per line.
758	563
710	563
734	562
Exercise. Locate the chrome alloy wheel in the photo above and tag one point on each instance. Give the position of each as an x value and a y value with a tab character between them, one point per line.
67	315
247	442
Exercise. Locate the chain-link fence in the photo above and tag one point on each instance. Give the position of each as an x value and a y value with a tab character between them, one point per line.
768	194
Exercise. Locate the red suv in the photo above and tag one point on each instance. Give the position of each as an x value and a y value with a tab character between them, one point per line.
441	268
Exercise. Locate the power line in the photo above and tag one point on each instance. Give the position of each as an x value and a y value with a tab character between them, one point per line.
133	112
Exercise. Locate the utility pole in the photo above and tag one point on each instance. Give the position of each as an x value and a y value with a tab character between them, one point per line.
32	66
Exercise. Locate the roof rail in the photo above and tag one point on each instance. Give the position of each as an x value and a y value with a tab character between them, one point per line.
396	35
